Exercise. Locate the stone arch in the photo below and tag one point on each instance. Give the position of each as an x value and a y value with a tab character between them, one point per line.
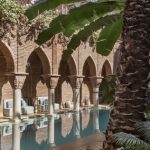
7	65
5	50
37	65
106	69
46	69
72	66
66	68
89	67
89	70
67	93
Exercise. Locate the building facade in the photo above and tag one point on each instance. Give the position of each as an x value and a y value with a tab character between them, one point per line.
27	70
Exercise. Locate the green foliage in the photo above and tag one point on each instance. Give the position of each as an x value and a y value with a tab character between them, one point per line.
76	19
10	10
141	141
89	30
107	89
108	36
81	23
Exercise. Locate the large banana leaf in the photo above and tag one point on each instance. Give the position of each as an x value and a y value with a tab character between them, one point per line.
108	36
77	19
87	31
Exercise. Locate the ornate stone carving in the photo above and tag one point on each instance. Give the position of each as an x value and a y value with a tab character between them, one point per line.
51	80
76	81
95	81
17	79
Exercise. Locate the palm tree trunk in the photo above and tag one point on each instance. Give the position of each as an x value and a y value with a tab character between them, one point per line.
129	104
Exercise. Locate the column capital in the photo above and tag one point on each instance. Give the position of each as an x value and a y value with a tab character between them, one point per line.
95	81
76	81
17	79
51	80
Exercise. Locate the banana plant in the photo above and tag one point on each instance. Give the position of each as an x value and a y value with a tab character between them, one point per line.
81	22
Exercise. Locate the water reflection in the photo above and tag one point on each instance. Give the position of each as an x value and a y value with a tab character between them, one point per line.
76	125
51	129
96	121
46	132
16	136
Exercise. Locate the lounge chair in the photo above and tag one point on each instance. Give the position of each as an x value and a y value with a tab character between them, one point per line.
7	130
25	108
43	104
8	107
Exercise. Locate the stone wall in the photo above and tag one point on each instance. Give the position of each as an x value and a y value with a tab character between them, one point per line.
39	61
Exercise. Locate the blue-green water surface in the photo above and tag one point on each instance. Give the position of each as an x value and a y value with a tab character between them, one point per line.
44	132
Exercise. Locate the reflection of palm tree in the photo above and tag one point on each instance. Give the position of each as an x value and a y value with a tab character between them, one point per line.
28	139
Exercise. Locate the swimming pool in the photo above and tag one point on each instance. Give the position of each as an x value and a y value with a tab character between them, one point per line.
44	132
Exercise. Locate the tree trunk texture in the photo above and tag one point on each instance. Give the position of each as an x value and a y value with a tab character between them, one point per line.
132	78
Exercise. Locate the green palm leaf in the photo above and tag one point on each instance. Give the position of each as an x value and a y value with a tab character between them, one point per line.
144	129
108	36
87	31
77	19
130	141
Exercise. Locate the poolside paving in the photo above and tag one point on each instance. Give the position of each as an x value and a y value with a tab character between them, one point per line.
93	142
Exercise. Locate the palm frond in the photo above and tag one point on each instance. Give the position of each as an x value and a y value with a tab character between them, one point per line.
144	129
108	37
76	19
88	30
130	141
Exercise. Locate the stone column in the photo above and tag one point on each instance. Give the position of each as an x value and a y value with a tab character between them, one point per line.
95	82
51	82
76	124
51	131
76	82
16	136
17	81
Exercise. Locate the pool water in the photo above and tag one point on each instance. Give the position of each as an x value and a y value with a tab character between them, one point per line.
44	132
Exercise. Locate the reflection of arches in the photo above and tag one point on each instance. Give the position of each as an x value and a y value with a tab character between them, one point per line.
106	69
89	68
66	124
5	52
85	119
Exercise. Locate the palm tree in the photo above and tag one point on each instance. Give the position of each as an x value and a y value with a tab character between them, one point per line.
129	104
140	141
